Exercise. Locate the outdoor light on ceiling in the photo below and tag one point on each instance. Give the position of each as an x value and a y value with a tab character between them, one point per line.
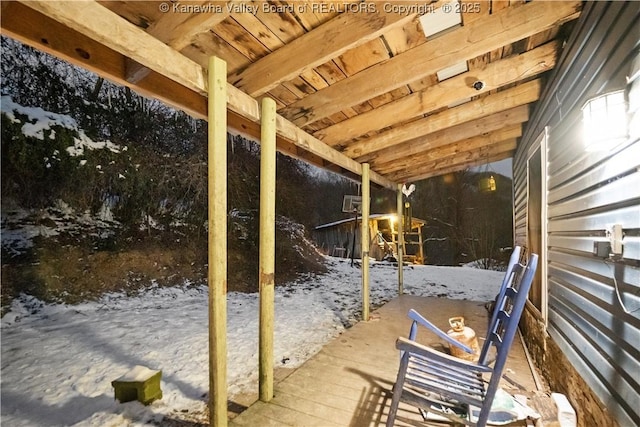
487	185
604	121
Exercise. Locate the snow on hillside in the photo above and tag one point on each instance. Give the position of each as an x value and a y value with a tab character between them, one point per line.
58	361
38	121
19	226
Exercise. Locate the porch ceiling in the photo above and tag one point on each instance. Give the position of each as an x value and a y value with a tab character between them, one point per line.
354	82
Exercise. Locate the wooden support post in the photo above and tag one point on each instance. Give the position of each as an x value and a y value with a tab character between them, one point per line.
400	240
267	245
365	239
421	242
217	246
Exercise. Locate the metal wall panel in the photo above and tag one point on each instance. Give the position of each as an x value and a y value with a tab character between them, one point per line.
594	303
593	221
583	314
625	161
620	190
619	399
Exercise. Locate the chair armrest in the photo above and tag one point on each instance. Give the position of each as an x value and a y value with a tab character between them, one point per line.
420	320
413	347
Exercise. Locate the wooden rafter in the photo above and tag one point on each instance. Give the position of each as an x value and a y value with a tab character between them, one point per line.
450	91
486	154
355	76
483	35
442	170
469	145
329	41
46	34
179	29
100	24
444	137
519	95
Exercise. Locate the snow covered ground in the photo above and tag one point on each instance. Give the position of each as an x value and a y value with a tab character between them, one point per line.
58	361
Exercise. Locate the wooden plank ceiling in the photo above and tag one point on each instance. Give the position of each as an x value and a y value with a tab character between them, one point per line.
415	88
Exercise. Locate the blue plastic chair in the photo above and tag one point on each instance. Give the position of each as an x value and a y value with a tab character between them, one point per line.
451	387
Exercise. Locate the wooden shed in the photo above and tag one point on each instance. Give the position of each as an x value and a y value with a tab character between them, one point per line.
337	238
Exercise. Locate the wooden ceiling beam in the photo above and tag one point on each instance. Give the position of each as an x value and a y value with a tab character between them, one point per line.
482	35
105	28
35	29
488	154
109	29
450	91
522	94
460	167
330	40
178	29
461	132
450	150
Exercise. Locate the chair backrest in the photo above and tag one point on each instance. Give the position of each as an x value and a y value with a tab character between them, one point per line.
508	311
442	377
513	268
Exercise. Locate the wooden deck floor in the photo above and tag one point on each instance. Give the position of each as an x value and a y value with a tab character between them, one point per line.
348	383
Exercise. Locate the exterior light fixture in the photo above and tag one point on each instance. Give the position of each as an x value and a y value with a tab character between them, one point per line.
604	120
487	185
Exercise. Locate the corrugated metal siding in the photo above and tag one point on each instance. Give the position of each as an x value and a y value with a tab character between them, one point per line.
520	199
587	193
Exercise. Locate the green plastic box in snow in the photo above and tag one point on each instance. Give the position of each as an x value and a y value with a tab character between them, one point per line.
140	383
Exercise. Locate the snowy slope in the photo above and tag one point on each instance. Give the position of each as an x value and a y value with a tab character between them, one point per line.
58	361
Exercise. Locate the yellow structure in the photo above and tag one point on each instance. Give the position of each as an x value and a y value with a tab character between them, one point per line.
385	233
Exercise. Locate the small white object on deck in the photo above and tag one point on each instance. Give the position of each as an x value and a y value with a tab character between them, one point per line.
566	413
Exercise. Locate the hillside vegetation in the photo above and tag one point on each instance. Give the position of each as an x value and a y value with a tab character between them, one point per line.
104	190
